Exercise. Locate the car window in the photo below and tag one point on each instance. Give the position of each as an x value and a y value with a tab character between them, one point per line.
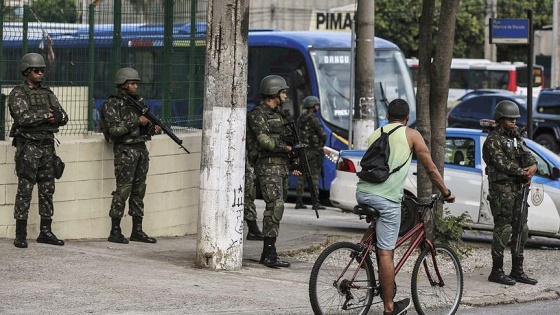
549	103
460	151
542	169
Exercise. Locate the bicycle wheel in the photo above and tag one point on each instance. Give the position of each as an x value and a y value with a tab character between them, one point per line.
331	288
428	294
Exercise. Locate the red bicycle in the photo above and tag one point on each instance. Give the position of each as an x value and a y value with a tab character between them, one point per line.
343	280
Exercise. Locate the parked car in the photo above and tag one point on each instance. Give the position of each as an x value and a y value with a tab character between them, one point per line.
465	175
480	105
469	112
546	119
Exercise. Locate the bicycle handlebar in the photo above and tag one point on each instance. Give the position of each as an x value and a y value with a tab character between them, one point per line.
433	198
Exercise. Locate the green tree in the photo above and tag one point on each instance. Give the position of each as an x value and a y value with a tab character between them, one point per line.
398	22
62	11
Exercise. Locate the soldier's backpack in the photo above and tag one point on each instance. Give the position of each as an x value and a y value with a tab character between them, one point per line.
375	163
105	129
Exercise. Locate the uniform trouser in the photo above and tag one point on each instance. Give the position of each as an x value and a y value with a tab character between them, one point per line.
273	179
315	159
249	208
131	169
34	165
505	204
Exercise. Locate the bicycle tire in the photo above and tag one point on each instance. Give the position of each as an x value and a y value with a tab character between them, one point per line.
331	296
430	297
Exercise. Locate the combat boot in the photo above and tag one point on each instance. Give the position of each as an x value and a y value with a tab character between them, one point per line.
46	236
21	234
497	274
254	233
137	234
116	235
517	272
299	204
271	257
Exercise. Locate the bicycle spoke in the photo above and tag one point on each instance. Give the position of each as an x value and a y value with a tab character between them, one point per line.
333	289
432	295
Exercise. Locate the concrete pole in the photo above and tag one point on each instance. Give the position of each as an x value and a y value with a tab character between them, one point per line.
489	49
555	66
365	113
222	167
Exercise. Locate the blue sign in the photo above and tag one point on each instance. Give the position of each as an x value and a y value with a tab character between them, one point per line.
509	31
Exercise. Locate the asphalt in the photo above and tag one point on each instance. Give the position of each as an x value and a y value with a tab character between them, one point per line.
98	277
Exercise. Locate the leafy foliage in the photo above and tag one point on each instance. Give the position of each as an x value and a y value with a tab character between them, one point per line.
62	11
449	231
398	22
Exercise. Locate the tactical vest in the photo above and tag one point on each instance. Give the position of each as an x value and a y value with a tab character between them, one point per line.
128	115
40	101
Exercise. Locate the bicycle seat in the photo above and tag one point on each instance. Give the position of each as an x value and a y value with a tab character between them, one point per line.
366	210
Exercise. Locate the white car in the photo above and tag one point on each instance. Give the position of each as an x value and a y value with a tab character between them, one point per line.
465	175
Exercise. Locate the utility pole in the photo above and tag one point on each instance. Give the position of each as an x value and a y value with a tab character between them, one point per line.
222	167
365	112
555	67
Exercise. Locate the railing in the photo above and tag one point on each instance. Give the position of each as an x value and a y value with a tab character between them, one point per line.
160	40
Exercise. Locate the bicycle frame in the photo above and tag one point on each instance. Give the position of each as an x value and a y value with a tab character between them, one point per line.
369	239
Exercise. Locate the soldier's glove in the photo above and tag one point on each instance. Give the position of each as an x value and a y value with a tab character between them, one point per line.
58	116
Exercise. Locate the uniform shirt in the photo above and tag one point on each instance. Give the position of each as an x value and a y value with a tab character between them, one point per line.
118	112
502	151
267	126
393	188
30	107
312	133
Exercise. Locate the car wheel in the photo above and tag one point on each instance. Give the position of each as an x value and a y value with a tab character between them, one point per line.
409	216
548	141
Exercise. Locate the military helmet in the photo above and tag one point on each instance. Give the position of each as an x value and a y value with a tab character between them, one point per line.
272	85
310	101
126	74
506	109
32	60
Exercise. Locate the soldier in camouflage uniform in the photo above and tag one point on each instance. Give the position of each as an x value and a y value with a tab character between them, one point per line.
313	137
503	152
128	130
249	208
37	116
266	125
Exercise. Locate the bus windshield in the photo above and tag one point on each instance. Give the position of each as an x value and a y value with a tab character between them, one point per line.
392	80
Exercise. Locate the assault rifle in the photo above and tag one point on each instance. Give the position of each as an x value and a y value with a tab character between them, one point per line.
521	217
145	111
299	148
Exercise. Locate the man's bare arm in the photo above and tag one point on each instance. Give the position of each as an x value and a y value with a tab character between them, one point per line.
417	143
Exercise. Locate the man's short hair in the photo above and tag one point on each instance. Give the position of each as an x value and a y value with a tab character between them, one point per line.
398	109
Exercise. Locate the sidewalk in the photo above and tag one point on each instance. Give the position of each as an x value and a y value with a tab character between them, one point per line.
98	277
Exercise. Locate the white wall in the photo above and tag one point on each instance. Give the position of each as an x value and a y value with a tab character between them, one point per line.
83	194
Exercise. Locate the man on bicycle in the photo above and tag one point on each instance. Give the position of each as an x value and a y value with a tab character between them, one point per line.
387	196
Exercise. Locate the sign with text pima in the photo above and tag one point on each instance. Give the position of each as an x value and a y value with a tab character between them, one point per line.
509	31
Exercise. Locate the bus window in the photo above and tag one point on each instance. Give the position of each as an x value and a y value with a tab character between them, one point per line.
285	62
333	76
538	76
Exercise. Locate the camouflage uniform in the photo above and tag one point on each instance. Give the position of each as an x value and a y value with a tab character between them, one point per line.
131	155
505	179
34	140
313	137
267	126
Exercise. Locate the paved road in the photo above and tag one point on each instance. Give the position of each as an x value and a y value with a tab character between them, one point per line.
97	277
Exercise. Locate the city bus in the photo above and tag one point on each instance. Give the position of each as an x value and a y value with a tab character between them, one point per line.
312	63
467	75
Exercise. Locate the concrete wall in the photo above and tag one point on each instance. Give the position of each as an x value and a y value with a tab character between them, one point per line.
83	194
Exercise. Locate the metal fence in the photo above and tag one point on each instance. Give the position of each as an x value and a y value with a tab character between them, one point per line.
164	40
